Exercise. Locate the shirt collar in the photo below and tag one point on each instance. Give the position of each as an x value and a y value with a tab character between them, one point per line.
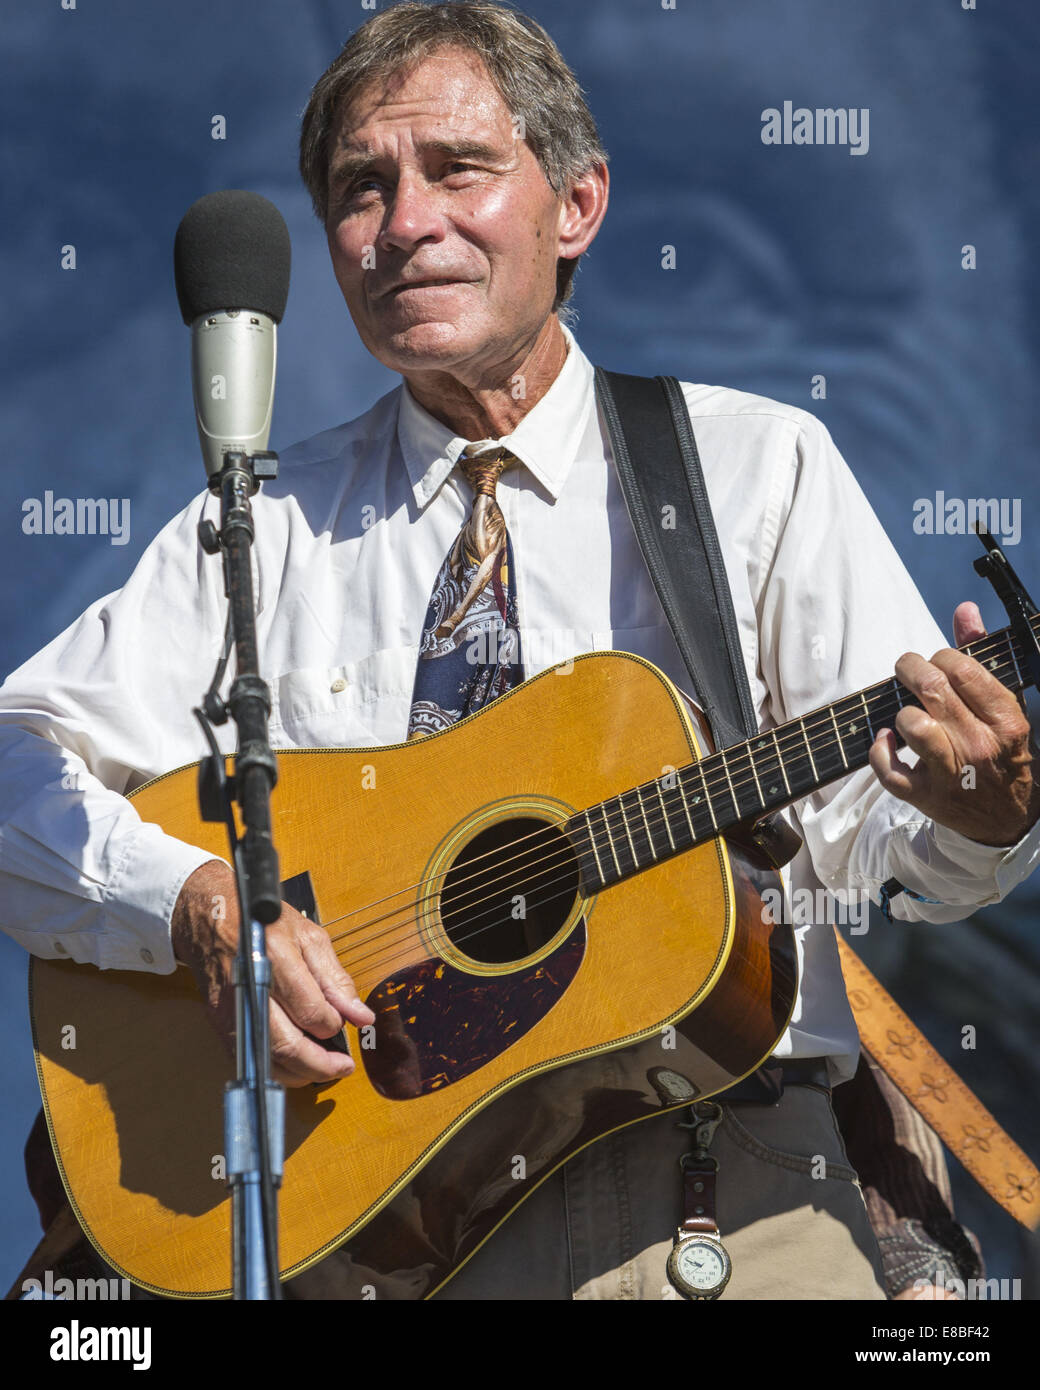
546	440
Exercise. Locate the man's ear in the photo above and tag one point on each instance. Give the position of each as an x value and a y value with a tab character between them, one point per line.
582	211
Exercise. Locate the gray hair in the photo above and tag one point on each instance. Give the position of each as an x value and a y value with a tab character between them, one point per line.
525	65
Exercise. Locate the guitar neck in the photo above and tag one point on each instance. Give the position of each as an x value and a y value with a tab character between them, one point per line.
687	806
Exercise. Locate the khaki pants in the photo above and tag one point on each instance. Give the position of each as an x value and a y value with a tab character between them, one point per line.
602	1227
788	1204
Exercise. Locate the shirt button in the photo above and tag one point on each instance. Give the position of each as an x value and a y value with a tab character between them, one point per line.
147	956
60	949
338	685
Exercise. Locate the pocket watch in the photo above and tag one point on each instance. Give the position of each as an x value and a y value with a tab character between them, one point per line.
699	1266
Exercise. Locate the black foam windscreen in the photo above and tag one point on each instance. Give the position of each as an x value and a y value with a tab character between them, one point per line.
232	251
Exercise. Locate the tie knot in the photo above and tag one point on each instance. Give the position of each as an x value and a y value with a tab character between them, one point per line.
482	466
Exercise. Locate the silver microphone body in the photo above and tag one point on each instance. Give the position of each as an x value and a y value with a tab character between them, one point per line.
233	356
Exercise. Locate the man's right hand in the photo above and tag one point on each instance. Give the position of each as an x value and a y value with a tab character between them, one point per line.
310	990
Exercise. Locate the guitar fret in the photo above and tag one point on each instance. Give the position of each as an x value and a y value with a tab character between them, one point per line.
595	851
707	795
610	838
808	749
767	753
866	714
729	779
754	773
628	832
667	818
1018	669
837	735
994	664
780	760
649	832
686	809
830	757
640	834
854	736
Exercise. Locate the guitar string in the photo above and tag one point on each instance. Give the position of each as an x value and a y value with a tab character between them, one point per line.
793	737
404	945
456	941
547	863
794	730
409	944
565	857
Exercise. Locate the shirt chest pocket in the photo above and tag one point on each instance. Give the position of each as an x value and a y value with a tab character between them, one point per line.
356	704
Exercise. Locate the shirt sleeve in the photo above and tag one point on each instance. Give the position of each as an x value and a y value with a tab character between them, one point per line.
837	608
89	718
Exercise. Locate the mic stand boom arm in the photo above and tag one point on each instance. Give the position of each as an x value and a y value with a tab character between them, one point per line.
254	1105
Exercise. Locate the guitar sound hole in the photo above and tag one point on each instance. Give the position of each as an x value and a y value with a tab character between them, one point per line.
509	891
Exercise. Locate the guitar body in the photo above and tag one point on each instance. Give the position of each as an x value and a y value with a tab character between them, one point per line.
485	981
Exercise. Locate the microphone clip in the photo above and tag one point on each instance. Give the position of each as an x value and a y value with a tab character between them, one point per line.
260	466
236	482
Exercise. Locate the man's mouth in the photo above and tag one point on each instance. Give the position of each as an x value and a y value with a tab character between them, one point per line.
438	283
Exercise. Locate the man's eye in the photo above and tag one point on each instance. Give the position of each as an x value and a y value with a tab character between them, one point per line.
350	192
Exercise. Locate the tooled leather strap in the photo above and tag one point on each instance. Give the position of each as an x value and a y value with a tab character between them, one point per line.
937	1093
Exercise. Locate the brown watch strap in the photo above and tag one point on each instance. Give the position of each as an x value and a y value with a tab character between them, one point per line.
937	1093
699	1195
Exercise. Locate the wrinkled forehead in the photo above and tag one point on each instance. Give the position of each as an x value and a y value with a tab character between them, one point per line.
450	86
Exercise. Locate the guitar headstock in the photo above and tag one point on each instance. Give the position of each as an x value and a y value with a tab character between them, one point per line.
1021	610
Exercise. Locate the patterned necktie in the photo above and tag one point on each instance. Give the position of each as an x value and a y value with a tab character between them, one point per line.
469	653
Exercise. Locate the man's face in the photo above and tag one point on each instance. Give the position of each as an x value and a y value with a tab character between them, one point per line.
443	230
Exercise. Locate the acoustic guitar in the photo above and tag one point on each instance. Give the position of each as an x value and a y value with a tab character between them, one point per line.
556	914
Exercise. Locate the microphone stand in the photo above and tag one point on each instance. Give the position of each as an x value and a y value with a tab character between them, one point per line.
254	1105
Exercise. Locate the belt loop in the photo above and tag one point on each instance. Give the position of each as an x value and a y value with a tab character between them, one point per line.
766	1086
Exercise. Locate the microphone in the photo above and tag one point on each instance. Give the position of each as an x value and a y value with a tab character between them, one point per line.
231	266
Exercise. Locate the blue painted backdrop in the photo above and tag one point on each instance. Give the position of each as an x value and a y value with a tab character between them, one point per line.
791	261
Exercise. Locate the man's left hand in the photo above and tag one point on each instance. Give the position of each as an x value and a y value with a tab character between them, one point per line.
977	773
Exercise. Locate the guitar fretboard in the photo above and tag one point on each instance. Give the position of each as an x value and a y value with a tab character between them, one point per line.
686	806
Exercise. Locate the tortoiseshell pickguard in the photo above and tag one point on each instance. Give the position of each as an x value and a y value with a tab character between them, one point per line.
435	1024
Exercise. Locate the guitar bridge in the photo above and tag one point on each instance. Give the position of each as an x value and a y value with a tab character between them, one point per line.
298	892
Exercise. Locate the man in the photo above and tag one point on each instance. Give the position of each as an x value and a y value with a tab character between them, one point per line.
460	178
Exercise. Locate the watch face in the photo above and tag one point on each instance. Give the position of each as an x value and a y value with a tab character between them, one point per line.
699	1268
670	1085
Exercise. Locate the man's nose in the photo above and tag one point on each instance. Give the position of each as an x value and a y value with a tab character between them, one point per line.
413	215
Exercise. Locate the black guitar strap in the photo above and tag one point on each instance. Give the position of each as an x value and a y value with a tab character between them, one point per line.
660	470
656	458
657	461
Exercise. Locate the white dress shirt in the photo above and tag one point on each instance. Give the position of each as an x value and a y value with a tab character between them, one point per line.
348	543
